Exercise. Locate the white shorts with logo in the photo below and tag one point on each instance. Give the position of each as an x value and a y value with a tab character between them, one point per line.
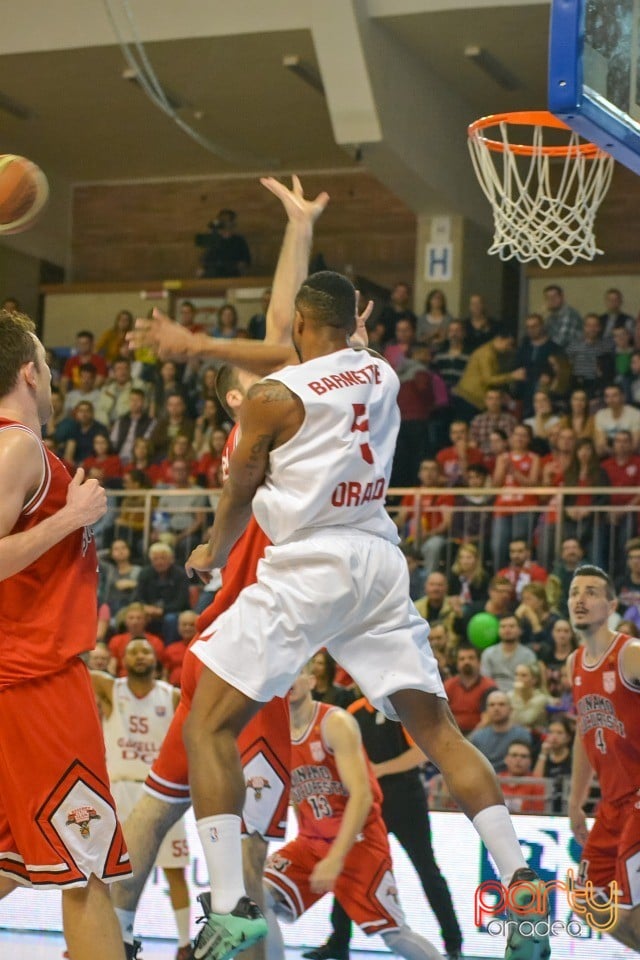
174	849
334	588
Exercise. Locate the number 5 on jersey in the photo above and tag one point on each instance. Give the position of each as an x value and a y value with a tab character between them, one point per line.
361	425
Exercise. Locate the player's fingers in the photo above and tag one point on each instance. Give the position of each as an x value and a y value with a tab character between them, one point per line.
322	200
273	185
78	477
297	186
368	310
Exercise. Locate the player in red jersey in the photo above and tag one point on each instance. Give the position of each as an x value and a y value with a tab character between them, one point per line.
605	671
342	843
58	826
264	744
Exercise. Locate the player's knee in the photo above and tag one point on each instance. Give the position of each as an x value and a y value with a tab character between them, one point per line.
275	901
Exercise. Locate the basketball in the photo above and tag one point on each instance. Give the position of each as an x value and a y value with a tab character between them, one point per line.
23	193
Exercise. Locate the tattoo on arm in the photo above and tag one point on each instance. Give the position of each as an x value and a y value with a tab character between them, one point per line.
269	391
255	459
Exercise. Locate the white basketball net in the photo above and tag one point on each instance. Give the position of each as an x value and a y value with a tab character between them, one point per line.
533	220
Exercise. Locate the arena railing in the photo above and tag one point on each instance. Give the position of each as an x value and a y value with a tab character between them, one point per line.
547	522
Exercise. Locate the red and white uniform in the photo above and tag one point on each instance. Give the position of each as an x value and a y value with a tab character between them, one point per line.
264	742
366	888
334	576
607	713
523	463
57	816
133	735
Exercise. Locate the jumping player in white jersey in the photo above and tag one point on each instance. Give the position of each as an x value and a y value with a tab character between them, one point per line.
168	797
137	711
314	460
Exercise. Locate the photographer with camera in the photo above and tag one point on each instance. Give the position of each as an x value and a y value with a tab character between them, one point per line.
226	253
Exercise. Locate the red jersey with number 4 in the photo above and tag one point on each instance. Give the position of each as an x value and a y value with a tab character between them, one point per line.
607	711
48	611
316	788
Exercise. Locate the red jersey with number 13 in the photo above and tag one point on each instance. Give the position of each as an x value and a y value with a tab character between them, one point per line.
316	788
607	711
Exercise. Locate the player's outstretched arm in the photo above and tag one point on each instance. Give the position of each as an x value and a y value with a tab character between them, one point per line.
172	341
270	414
293	262
342	734
21	472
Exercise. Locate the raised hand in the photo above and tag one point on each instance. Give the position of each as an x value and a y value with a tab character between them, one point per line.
298	208
360	336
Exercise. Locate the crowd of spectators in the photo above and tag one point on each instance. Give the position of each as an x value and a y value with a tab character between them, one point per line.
484	417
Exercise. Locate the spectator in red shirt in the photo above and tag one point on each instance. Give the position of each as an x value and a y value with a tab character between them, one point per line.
512	517
454	460
208	469
623	470
468	690
174	653
104	465
187	317
135	621
527	797
84	354
428	531
417	400
522	570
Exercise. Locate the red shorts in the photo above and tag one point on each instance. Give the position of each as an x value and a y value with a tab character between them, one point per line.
265	750
57	817
612	852
366	888
264	744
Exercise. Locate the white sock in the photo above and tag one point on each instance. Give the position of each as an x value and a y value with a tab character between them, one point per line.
183	922
126	919
221	843
496	831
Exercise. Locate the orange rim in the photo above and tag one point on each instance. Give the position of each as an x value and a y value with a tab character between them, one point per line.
529	118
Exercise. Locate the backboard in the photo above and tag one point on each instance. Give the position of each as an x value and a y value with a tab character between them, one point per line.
594	80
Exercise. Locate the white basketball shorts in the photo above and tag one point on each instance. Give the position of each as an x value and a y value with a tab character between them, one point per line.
335	588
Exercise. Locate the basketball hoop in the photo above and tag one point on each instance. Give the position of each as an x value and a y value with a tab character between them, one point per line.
537	216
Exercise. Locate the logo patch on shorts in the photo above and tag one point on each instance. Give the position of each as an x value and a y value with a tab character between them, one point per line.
81	817
258	784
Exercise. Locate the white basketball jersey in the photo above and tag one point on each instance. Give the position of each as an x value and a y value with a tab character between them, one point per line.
335	471
136	728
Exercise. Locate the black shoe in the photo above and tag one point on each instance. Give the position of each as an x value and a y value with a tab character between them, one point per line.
453	954
132	949
328	951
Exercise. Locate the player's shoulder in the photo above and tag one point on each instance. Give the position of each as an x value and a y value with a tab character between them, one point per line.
339	728
269	391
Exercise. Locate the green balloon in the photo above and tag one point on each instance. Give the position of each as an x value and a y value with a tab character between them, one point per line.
482	630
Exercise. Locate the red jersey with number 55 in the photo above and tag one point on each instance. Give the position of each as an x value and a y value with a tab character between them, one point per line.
335	470
607	713
48	611
316	788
